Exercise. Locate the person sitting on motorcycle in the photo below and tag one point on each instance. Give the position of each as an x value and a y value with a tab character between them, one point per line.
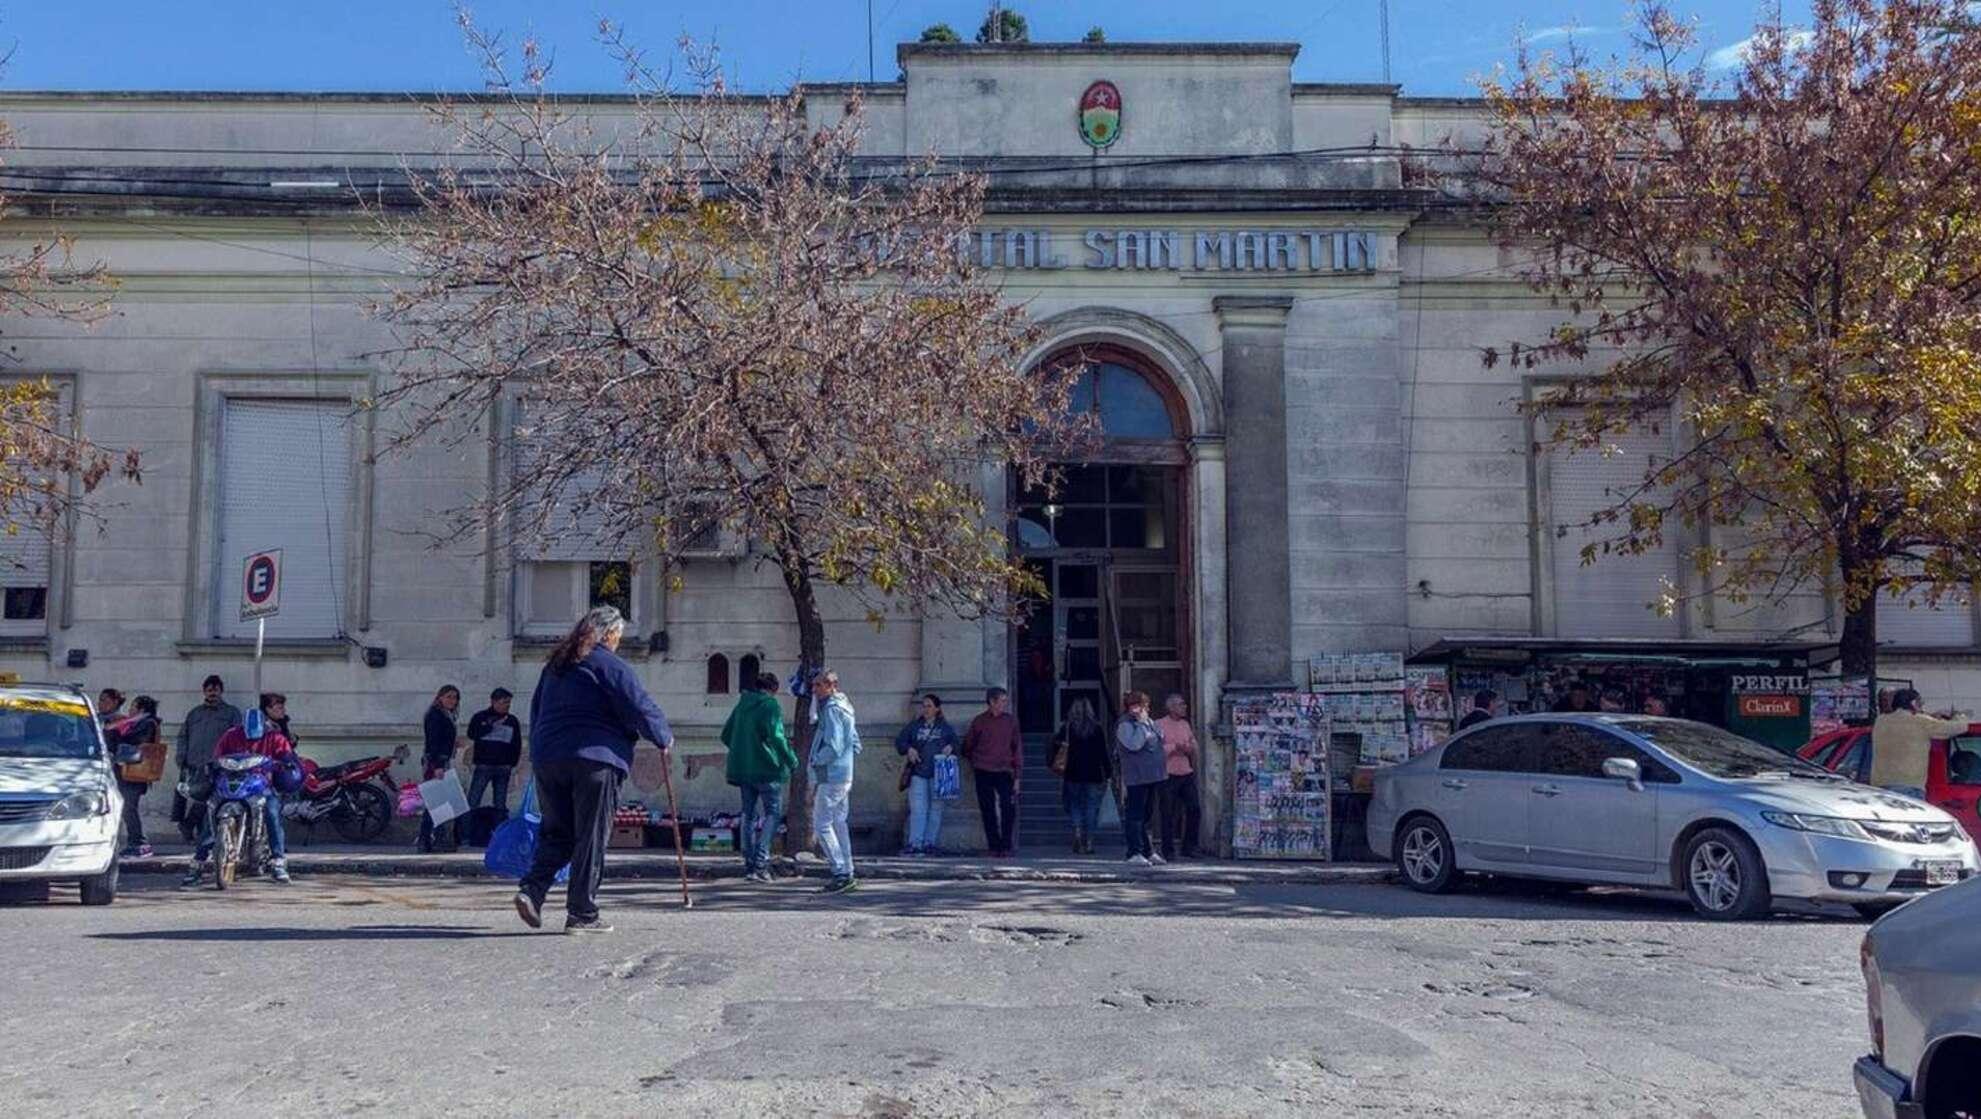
272	744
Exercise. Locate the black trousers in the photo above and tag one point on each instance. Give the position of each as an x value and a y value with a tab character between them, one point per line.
577	798
1180	814
1136	808
998	804
133	823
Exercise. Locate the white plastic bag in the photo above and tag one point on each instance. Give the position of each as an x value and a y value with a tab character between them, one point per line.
444	798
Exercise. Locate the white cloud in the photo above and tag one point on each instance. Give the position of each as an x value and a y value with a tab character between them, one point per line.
1564	31
1726	58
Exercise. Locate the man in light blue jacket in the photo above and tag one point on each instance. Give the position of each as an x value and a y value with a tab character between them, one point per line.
835	743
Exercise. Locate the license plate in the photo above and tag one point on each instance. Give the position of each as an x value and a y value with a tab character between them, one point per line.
1941	872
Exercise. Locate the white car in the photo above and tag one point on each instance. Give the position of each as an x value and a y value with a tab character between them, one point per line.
60	812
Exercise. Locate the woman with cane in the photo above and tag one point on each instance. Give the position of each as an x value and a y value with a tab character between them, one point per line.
588	711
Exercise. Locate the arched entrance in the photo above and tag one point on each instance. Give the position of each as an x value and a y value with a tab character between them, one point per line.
1112	549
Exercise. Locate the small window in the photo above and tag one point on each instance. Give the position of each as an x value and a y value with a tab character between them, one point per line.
1855	763
747	671
1502	749
1573	750
611	585
718	674
1963	760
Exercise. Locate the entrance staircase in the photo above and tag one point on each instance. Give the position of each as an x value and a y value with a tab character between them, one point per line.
1042	826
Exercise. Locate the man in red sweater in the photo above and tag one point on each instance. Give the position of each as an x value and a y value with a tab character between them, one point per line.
996	751
272	744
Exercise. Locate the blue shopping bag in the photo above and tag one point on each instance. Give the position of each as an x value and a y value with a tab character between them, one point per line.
513	845
948	777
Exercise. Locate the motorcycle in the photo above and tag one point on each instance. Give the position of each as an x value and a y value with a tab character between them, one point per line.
357	797
242	784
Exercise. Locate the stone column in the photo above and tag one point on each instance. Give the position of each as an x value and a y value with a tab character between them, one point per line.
1258	580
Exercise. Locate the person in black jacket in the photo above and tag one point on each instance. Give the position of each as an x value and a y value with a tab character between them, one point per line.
131	734
1084	779
498	740
1482	708
443	741
588	711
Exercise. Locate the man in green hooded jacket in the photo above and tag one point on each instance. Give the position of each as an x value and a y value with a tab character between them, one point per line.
761	761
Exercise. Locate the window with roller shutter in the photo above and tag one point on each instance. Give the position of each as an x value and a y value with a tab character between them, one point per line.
1609	597
285	475
567	562
1910	621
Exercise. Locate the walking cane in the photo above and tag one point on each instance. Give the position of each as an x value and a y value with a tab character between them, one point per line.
674	818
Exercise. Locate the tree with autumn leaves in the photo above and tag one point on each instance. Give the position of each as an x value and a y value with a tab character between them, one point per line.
721	318
1787	267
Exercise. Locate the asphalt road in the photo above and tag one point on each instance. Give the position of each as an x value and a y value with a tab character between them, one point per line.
346	996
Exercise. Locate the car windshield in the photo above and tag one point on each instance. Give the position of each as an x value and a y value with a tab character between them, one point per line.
46	725
1718	753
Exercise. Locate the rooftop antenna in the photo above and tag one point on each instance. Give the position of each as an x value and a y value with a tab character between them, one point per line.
1384	4
870	42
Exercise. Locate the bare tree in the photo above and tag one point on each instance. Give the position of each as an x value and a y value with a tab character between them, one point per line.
43	459
722	318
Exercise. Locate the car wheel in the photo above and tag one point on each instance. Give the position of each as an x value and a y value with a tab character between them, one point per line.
101	889
1424	856
1724	876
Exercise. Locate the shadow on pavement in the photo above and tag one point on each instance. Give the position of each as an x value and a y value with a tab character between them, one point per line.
488	898
359	932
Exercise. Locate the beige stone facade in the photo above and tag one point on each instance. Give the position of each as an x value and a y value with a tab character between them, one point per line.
1408	508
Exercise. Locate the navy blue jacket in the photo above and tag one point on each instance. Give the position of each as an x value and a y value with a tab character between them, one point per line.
595	710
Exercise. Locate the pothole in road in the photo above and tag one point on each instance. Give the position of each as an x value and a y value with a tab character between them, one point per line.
866	928
1025	936
1508	992
1147	1000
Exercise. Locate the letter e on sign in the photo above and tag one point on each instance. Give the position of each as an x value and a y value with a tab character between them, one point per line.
261	585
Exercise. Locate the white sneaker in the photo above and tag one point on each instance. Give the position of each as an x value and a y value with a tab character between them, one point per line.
1137	860
1157	860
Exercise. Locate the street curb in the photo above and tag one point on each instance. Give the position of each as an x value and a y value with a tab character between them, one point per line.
304	865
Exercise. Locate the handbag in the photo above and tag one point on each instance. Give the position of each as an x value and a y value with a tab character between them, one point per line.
907	777
1058	763
141	764
948	777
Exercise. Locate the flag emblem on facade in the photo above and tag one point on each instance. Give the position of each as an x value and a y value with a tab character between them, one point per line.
1100	114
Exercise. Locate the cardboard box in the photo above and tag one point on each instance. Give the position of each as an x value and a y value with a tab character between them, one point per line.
628	835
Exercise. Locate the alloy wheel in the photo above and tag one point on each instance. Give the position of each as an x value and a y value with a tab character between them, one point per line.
1423	854
1715	874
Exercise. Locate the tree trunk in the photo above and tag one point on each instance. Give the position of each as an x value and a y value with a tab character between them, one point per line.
811	655
1860	628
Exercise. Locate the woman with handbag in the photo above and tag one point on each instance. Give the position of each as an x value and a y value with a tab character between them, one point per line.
923	741
129	736
1080	757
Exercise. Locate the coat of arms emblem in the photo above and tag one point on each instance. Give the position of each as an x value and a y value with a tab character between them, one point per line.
1100	114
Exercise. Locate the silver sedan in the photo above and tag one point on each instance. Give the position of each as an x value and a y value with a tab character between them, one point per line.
1641	801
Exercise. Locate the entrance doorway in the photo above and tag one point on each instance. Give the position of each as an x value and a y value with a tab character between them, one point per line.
1108	546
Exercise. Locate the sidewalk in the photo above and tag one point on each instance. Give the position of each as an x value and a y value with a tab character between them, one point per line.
649	862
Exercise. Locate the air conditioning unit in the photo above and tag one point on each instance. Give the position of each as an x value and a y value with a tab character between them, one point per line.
714	542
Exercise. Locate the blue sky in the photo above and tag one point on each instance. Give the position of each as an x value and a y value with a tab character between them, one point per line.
1437	46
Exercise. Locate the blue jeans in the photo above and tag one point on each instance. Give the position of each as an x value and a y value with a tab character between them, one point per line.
924	814
1083	804
763	810
490	775
278	842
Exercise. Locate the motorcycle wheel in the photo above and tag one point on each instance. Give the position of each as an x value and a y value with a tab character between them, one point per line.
227	853
365	816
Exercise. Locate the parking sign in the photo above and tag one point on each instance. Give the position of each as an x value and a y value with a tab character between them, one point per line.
261	585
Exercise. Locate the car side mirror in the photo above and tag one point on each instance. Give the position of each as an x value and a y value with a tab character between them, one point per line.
1624	769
